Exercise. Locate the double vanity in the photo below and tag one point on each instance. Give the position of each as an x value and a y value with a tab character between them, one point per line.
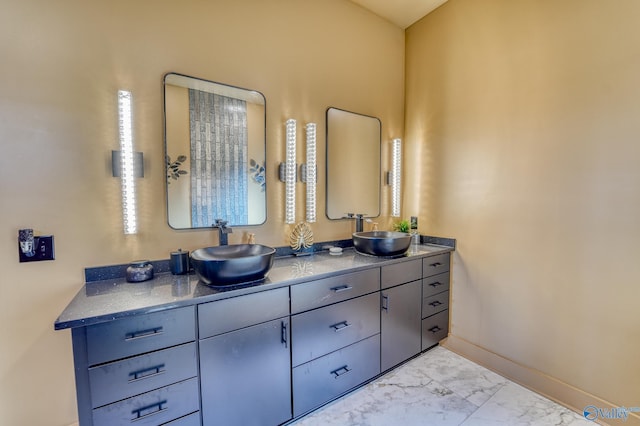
177	352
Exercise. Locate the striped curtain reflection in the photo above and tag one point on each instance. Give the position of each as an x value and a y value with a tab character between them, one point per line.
219	174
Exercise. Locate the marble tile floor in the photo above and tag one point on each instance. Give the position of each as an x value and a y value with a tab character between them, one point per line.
441	388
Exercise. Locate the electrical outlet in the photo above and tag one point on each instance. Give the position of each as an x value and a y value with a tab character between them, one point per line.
43	250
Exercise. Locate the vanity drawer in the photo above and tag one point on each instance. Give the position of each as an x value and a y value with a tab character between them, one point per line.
434	329
123	379
318	332
435	284
152	408
433	304
435	264
326	378
326	291
139	334
238	312
400	273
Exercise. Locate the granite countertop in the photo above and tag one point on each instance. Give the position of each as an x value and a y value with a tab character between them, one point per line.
111	299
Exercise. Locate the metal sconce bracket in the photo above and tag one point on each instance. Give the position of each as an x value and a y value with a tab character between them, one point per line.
116	164
282	172
388	178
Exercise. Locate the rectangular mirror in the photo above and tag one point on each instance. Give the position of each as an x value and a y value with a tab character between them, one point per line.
215	147
353	164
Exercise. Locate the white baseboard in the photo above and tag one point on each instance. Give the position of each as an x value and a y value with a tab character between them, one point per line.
550	387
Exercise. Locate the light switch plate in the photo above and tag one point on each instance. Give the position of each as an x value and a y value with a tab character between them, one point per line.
44	250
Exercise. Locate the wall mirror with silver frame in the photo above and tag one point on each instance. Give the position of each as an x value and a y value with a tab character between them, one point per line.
215	146
353	164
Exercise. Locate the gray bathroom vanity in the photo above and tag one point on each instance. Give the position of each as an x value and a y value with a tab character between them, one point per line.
174	351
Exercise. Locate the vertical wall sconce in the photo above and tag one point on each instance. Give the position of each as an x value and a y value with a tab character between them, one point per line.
290	172
396	174
309	175
127	172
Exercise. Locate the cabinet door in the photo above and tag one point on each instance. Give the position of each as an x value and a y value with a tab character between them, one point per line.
401	323
246	376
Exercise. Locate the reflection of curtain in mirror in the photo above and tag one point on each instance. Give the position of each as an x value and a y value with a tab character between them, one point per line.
218	159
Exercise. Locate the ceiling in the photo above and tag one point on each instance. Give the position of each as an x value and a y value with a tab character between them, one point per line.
402	13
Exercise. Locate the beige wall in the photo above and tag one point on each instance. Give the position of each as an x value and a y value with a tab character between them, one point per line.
520	133
522	126
63	63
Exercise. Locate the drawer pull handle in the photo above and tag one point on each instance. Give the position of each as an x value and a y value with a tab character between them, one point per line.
134	335
284	334
148	411
435	265
340	326
435	329
435	284
385	303
147	373
341	288
435	303
341	371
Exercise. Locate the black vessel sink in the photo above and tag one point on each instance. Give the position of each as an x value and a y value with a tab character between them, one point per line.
381	243
232	264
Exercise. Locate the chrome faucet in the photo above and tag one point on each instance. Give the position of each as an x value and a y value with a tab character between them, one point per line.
223	231
359	217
